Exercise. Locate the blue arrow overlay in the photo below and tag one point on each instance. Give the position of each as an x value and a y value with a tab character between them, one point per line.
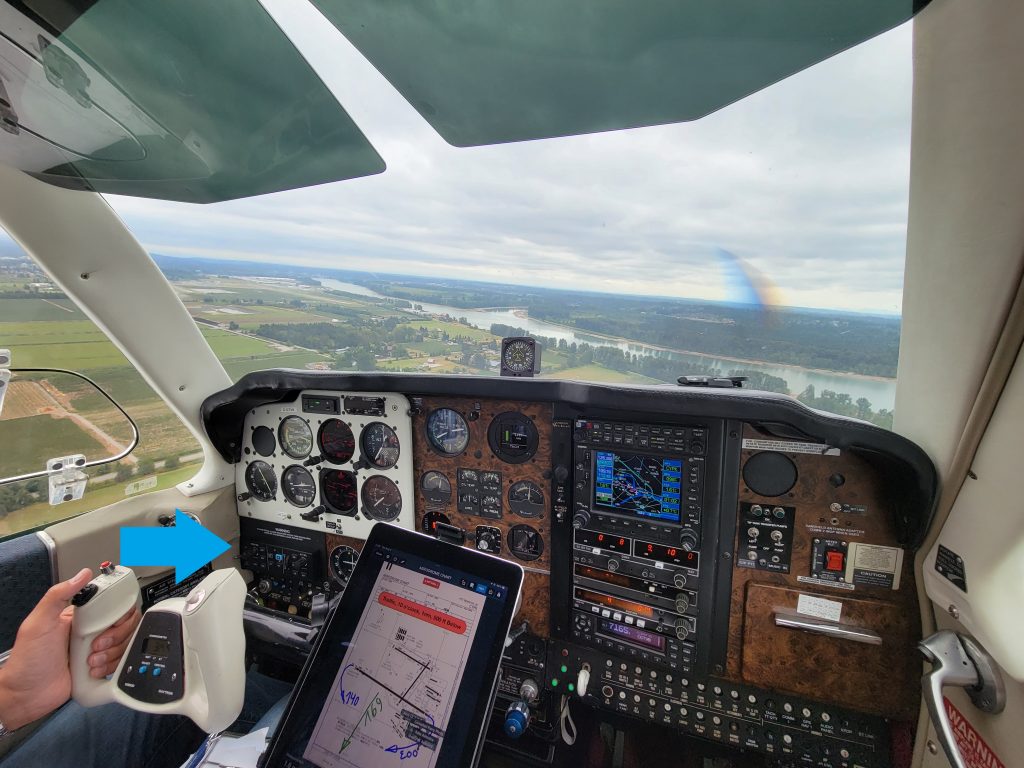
186	546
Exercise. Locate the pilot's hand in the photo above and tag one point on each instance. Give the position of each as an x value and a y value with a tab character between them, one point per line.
36	678
108	648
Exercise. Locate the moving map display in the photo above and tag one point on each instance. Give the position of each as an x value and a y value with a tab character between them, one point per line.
647	486
393	694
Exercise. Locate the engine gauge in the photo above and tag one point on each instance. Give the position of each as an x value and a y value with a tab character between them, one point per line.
381	499
526	499
337	444
448	431
295	437
298	486
341	563
436	487
513	437
430	521
261	481
338	490
380	445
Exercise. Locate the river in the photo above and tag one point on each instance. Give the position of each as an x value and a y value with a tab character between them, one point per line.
880	391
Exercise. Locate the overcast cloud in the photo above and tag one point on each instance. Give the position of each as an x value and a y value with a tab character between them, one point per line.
805	181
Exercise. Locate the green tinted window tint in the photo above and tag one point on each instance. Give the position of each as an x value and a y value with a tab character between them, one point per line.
484	72
188	100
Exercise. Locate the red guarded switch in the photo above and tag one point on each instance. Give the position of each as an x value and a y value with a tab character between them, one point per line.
834	561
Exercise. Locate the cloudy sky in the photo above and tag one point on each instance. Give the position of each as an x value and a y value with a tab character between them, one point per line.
806	182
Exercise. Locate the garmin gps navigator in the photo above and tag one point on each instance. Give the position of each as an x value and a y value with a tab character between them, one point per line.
405	670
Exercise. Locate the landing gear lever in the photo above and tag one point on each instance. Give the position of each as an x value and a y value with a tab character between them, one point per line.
959	661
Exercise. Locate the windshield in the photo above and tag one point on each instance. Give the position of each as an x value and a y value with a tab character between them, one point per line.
765	240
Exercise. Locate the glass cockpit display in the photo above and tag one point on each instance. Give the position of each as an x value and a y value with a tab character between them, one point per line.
635	484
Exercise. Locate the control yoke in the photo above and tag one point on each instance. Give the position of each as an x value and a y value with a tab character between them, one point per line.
186	656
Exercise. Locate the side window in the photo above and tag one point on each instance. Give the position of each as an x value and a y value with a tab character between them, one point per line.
47	414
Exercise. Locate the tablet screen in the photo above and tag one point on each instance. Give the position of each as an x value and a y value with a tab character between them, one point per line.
400	680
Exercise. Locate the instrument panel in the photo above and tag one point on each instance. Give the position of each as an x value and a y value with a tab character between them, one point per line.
485	467
709	570
329	461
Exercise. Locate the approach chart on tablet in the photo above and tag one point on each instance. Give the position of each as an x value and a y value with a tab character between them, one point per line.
393	694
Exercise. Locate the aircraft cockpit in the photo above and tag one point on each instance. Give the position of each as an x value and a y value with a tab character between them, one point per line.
539	384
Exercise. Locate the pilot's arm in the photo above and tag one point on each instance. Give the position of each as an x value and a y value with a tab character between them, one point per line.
36	679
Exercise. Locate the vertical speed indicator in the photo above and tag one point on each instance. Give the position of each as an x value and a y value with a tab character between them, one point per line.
380	444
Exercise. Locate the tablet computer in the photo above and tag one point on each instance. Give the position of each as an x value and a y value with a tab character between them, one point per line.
405	669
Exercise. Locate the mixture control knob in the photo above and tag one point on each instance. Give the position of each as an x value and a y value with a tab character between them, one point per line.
688	541
679	579
682	629
517	716
682	603
263	587
581	518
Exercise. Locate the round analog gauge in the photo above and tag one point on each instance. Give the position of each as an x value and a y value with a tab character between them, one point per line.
342	562
380	445
381	499
295	437
448	431
298	486
261	481
263	441
337	444
513	437
526	499
338	490
430	521
436	487
518	356
525	542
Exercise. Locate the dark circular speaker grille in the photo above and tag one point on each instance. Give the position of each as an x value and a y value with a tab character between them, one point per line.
769	473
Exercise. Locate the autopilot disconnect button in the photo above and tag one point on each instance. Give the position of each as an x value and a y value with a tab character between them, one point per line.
835	561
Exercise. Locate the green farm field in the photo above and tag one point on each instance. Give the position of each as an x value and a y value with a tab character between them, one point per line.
40	438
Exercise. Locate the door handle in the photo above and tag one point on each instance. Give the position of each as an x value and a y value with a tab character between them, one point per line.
958	660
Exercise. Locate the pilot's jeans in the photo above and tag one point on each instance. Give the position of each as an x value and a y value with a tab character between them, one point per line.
112	736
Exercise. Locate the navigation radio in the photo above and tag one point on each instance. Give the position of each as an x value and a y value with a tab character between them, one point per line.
638	490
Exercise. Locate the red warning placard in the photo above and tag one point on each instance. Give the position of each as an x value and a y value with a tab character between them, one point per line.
422	612
973	749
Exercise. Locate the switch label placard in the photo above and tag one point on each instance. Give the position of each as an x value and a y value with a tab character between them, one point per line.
819	607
